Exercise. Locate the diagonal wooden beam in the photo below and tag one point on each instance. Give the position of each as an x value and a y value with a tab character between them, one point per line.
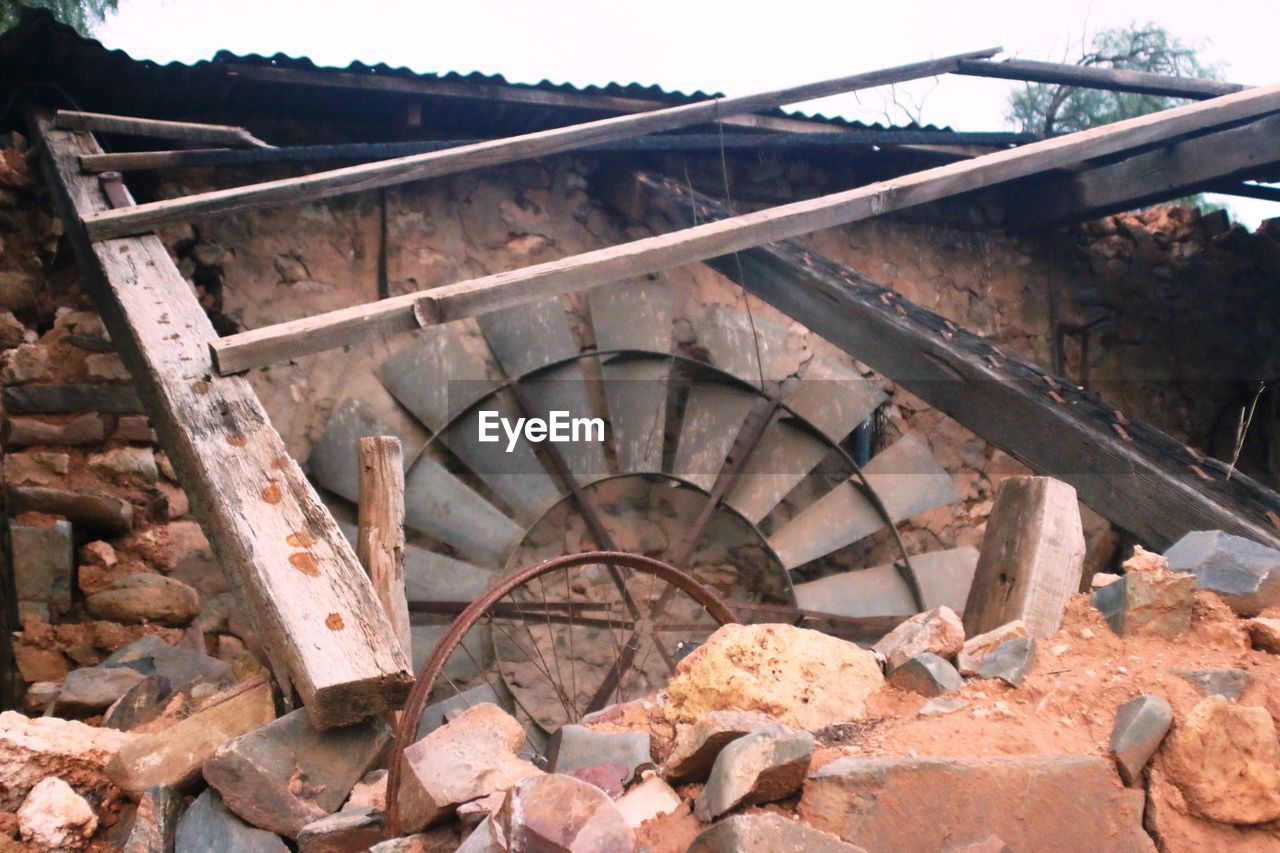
312	606
349	326
144	217
216	134
1131	473
1090	77
1185	167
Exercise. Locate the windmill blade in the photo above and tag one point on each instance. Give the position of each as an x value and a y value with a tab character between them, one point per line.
429	576
944	578
905	476
713	414
732	338
784	456
635	316
436	378
443	507
334	460
528	337
833	398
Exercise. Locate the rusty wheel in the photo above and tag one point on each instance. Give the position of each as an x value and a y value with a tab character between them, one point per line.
567	637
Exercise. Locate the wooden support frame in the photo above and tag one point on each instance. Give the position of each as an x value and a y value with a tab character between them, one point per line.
214	134
260	347
313	608
144	217
1047	423
1184	167
1089	77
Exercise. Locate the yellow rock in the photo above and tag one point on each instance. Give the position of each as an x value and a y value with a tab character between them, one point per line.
803	678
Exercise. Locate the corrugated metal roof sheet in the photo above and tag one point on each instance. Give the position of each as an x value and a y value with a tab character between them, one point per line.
40	51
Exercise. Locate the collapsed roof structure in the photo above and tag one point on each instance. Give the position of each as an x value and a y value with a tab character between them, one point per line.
319	621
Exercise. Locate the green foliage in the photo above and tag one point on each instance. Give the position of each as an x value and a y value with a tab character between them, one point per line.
1046	108
81	14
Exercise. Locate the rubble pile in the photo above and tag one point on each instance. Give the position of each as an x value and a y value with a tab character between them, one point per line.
1146	722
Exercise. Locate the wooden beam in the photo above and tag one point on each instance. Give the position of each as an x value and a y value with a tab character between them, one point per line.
407	312
1129	472
313	608
421	86
1091	77
943	140
1182	168
1262	192
144	217
186	131
380	534
1031	559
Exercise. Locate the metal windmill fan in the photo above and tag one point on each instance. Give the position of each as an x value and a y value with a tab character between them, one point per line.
713	462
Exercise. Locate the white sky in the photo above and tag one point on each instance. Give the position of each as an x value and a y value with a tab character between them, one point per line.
733	47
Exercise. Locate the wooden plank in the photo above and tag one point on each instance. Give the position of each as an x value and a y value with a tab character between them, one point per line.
944	140
1185	167
1129	472
186	131
143	217
1090	77
313	608
380	534
404	313
510	94
1031	559
1262	192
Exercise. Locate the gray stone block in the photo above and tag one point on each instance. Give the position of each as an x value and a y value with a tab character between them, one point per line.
208	827
43	563
1245	573
1140	726
926	674
1010	661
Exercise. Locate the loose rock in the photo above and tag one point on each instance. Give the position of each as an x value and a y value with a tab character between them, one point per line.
146	597
1074	799
1225	760
208	827
182	667
55	817
155	823
1217	682
926	674
574	747
938	631
650	799
137	463
288	774
348	831
466	759
797	676
93	689
1140	727
1245	573
560	814
1264	634
1010	661
696	745
33	749
767	833
174	756
977	648
140	704
1149	600
766	765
